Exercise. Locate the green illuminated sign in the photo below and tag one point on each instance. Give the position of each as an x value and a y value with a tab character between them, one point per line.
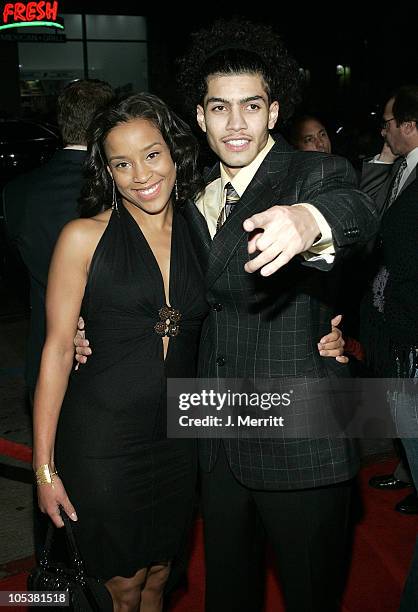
23	24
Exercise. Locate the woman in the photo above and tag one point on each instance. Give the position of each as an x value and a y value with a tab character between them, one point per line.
128	268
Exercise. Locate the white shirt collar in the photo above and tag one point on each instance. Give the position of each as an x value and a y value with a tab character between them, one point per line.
75	148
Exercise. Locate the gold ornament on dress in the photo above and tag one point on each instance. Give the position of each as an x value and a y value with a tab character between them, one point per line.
168	325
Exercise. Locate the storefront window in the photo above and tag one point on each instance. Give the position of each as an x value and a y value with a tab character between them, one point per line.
115	27
51	57
123	65
73	26
45	68
116	51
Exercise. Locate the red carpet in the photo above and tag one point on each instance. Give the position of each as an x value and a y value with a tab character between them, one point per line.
15	583
382	550
15	450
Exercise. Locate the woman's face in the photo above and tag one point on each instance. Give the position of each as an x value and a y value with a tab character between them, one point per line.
141	165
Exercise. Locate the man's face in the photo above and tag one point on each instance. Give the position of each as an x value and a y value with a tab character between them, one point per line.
313	137
236	117
392	133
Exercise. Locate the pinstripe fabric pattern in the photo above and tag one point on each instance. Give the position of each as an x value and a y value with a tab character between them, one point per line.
268	327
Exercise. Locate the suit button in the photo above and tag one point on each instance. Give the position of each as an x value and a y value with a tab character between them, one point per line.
217	307
220	361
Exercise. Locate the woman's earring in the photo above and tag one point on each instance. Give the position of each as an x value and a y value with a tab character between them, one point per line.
176	191
114	199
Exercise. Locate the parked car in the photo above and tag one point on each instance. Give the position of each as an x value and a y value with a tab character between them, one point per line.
24	145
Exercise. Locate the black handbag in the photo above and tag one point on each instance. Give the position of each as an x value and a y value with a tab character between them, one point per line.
86	594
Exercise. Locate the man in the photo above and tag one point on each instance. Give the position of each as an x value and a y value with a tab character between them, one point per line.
389	310
378	174
264	321
38	204
390	173
308	133
393	339
266	324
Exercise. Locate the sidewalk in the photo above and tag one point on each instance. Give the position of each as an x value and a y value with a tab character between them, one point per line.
16	493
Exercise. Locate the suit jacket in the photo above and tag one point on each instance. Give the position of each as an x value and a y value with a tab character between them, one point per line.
399	232
389	317
269	327
37	205
377	181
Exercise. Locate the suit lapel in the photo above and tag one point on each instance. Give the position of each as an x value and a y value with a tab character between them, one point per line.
199	232
262	193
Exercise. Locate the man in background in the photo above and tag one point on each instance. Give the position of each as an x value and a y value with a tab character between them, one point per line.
37	205
386	177
308	133
389	313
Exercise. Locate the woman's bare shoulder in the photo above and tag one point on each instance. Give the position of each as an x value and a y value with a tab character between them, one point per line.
81	236
82	230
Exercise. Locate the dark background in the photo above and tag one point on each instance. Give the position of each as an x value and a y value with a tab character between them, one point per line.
381	56
379	48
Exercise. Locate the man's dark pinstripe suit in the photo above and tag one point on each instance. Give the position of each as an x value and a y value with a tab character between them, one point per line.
269	327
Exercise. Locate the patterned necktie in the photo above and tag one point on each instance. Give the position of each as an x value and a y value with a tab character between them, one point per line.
381	277
396	183
231	200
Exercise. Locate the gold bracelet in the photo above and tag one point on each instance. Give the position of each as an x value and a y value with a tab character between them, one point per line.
44	475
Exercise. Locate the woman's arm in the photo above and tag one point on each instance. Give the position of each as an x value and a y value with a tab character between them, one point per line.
66	283
332	345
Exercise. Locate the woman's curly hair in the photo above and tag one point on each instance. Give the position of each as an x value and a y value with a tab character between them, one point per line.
97	192
238	46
